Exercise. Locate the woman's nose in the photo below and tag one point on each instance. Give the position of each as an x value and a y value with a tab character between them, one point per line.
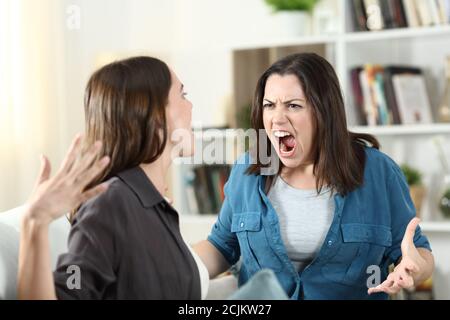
279	115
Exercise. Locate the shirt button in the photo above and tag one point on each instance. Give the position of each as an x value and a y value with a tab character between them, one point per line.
242	224
330	242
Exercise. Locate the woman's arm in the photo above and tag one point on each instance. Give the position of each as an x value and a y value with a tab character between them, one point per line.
214	261
415	266
51	198
35	278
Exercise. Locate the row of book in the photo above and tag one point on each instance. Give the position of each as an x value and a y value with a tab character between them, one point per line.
371	15
390	95
204	186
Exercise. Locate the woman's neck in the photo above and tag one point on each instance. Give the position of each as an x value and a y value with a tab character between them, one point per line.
157	171
301	177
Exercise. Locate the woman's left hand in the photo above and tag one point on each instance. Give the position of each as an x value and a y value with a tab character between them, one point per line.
407	271
54	196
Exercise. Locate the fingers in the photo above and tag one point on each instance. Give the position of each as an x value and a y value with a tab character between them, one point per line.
93	192
71	154
44	172
388	286
94	171
412	267
408	238
404	279
394	283
86	161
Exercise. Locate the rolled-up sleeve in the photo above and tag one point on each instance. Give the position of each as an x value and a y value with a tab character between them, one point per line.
221	236
402	211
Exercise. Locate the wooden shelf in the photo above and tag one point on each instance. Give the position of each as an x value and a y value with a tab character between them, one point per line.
403	130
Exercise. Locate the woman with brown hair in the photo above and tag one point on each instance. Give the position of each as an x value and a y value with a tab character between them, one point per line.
124	243
329	213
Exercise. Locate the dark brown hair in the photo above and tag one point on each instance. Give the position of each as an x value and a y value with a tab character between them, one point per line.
125	109
338	154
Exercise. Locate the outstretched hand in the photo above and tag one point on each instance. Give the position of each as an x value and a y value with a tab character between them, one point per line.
411	265
52	197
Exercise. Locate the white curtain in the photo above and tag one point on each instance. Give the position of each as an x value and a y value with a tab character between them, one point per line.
31	93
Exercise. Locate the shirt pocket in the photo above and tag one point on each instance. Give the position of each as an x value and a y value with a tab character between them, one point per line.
362	245
255	248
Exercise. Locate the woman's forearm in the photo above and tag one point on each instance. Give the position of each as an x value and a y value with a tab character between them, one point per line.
211	257
35	277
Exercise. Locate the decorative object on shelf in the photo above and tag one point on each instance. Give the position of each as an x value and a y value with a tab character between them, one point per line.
444	106
374	15
444	203
292	17
416	188
444	194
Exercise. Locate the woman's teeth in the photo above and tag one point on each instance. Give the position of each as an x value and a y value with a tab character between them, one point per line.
280	134
286	143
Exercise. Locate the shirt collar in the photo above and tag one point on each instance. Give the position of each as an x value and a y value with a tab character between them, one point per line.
140	184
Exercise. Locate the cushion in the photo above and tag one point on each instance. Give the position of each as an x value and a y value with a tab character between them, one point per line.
9	248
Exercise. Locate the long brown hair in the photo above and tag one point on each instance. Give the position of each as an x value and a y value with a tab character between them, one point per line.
125	109
338	154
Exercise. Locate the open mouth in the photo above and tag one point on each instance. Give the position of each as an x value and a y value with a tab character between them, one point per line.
286	143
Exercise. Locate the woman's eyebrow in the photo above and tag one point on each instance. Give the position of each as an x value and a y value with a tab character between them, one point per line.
287	101
182	88
292	100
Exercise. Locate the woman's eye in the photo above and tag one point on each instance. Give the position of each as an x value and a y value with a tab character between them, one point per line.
184	94
267	105
294	106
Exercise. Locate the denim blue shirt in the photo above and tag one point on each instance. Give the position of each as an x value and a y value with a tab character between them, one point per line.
367	229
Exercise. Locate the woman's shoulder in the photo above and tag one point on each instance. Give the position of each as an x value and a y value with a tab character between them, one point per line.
379	162
240	166
239	180
113	199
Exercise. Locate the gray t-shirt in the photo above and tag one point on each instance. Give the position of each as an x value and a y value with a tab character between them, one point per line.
304	217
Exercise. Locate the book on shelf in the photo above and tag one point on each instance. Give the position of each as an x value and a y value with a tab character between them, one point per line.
376	15
359	15
390	95
204	188
412	98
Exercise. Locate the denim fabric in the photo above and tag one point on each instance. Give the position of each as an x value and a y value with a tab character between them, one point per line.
367	230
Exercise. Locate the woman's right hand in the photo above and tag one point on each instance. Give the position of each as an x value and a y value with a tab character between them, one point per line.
53	197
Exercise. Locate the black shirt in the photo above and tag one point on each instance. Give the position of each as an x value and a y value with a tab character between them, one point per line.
127	245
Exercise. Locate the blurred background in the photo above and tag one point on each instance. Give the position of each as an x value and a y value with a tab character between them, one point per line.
392	58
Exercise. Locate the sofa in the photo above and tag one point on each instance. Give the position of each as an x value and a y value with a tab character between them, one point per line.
192	228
